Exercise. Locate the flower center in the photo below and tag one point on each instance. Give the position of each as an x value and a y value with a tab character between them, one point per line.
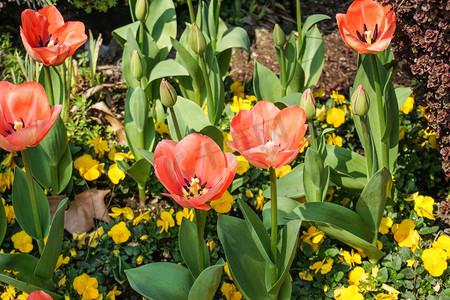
368	37
48	42
16	126
193	188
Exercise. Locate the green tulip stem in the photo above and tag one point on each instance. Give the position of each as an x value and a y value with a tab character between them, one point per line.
48	85
299	26
209	94
274	217
381	114
311	133
191	11
367	147
142	198
283	74
175	123
200	241
33	199
141	35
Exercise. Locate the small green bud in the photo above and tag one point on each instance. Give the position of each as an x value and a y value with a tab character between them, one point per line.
360	102
136	65
141	10
308	103
167	93
278	36
197	40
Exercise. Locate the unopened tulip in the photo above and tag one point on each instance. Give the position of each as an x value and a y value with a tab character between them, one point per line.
167	93
141	10
308	103
136	65
360	102
197	40
278	36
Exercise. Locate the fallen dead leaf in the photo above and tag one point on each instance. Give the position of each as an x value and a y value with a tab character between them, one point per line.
115	123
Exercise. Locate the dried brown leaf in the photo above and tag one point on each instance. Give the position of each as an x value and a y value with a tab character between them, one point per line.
115	123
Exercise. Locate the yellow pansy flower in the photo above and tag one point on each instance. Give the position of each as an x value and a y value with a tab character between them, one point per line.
319	93
9	211
166	220
230	292
8	161
383	296
119	156
139	260
405	235
89	168
335	117
80	239
314	237
211	245
283	171
61	260
6	180
227	137
259	200
321	113
385	224
338	98
305	145
22	241
334	139
62	281
227	271
100	146
323	266
115	174
352	258
23	296
186	213
424	207
242	103
242	166
408	106
95	236
224	204
142	216
305	276
349	293
248	194
434	261
237	88
162	128
356	275
119	233
401	133
113	293
443	242
117	211
86	286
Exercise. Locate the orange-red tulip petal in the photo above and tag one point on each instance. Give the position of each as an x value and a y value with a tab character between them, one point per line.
47	38
39	295
367	27
194	170
267	136
25	115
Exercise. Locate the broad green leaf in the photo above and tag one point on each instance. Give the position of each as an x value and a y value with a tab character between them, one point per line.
214	133
119	271
266	84
162	23
3	223
340	223
257	231
206	284
394	124
311	20
57	85
371	203
290	185
218	90
284	207
138	105
290	54
120	34
46	266
54	143
289	100
25	265
246	264
315	177
187	238
402	93
348	168
312	57
167	68
234	37
65	168
189	63
22	205
27	287
237	182
140	171
161	281
147	155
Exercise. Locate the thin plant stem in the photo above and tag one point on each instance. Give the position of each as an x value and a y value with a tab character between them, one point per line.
367	147
311	133
210	103
274	220
141	35
299	27
48	85
141	189
33	200
191	11
200	241
175	123
283	74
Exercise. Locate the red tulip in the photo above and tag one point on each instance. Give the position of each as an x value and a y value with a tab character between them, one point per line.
267	136
367	27
39	295
25	115
47	38
194	170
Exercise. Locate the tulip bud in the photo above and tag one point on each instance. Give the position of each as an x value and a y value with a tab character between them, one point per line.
360	102
308	103
197	40
167	93
141	10
278	36
136	65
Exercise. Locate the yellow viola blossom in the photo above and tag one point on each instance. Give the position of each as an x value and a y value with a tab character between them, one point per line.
412	197
408	106
434	261
385	224
9	211
283	171
95	236
139	260
119	156
113	293
86	286
23	296
62	261
127	212
334	139
335	117
242	103
237	88
227	271
166	220
211	245
305	276
321	113
227	137
100	146
89	168
9	293
242	166
22	242
143	237
119	233
224	204
406	235
423	205
401	133
348	293
248	194
443	242
305	145
80	239
319	93
8	161
162	128
259	204
230	292
186	213
383	296
142	216
352	258
357	275
6	180
323	266
115	174
314	237
338	98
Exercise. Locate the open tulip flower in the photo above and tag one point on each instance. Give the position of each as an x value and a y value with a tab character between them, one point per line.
25	115
194	170
367	27
39	295
267	136
47	38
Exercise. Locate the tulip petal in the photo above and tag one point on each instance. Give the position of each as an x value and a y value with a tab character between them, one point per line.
33	26
53	56
289	127
53	17
72	34
5	88
228	173
267	110
7	146
364	12
246	128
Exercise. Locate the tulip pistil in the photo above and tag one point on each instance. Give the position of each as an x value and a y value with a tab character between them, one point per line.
368	37
193	188
16	126
48	41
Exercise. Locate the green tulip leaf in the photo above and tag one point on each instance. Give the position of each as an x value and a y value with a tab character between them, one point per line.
315	177
290	185
139	108
161	22
57	85
289	100
290	54
146	154
26	287
312	57
119	272
284	207
190	64
266	84
215	134
140	171
167	68
234	37
311	20
161	281
402	93
206	284
3	223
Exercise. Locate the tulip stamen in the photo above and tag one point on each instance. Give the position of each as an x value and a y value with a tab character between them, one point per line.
16	126
48	41
368	37
193	188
